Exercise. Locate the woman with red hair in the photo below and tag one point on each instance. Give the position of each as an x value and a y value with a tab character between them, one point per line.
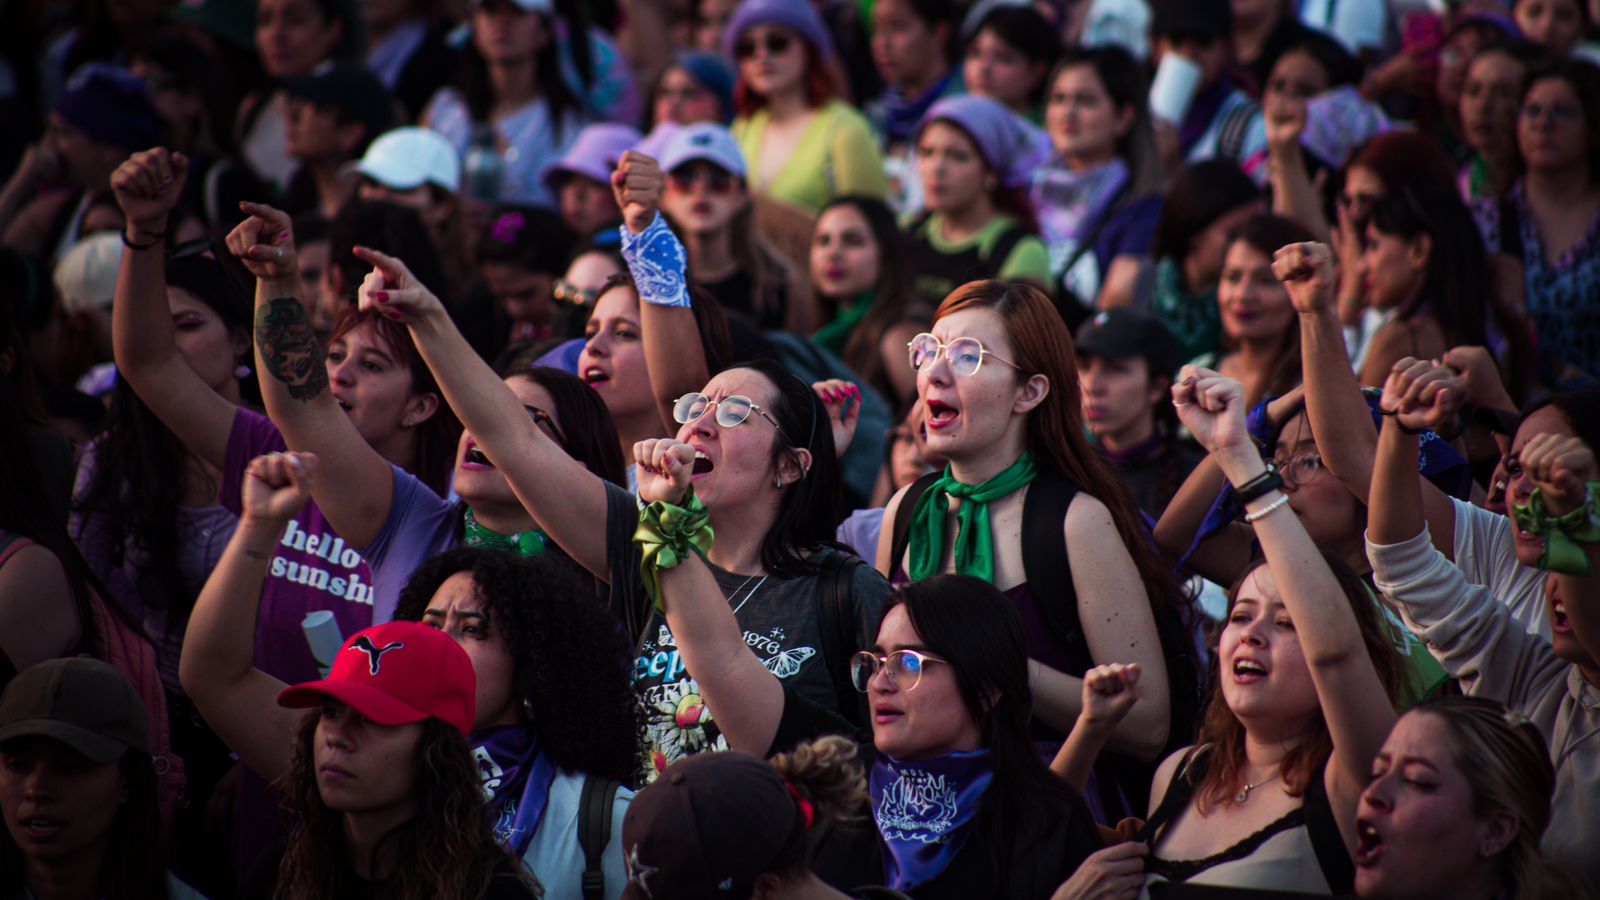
805	145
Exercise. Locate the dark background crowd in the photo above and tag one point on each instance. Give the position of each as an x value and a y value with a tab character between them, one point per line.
855	448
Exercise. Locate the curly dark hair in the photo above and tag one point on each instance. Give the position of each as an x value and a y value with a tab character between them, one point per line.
571	662
447	850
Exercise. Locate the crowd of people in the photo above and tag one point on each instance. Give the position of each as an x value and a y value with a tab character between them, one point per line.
1059	450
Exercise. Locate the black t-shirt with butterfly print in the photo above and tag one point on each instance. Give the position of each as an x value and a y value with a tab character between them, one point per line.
780	623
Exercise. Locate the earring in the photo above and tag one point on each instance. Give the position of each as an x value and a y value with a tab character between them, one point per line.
777	481
242	371
527	707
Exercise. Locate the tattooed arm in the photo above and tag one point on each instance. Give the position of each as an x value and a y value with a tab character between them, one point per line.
357	485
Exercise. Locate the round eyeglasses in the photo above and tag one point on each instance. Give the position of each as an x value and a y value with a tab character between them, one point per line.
964	353
1299	470
731	410
904	668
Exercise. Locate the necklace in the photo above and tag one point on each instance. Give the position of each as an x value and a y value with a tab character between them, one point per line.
747	596
1243	796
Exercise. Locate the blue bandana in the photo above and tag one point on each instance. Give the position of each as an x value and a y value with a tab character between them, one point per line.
925	811
516	782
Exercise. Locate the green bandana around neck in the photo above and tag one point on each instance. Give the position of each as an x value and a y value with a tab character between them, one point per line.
836	333
974	550
523	543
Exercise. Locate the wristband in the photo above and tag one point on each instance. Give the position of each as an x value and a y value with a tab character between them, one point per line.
666	536
157	238
1395	414
1259	486
1562	534
658	263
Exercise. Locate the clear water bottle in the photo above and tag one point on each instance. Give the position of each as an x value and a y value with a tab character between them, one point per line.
483	169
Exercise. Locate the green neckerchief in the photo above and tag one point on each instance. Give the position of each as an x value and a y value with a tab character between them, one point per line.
974	542
1192	318
833	335
1562	534
667	534
523	543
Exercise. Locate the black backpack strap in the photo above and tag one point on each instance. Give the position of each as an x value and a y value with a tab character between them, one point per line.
1003	245
1323	830
1049	571
1191	770
902	519
836	621
594	830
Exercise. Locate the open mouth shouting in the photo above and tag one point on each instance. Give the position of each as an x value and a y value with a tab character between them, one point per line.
596	376
474	460
1370	845
702	464
1248	671
941	415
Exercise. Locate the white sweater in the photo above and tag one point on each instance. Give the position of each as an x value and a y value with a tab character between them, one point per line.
1476	639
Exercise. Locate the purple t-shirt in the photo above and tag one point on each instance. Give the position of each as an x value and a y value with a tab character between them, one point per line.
315	569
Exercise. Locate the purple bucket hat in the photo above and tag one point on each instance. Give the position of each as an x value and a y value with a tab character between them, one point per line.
1011	146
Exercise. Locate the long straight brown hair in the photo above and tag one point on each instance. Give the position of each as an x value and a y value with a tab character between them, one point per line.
1043	346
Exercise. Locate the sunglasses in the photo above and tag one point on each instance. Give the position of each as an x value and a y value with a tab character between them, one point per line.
546	424
684	179
775	45
904	668
965	354
567	292
731	410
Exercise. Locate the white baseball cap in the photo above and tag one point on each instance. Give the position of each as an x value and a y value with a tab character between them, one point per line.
703	140
407	158
86	277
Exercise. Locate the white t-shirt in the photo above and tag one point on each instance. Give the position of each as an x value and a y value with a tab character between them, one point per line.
554	855
1486	553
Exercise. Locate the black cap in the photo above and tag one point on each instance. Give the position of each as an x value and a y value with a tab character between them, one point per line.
81	702
708	827
1127	333
1201	18
352	90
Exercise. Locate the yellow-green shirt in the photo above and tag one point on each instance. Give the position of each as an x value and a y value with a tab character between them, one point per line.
837	155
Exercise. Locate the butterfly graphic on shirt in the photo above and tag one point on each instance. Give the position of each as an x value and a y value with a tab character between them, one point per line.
788	662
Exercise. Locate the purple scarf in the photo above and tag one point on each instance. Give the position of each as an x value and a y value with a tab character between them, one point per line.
925	811
516	782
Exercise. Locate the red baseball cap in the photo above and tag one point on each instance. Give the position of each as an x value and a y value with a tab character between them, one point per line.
397	674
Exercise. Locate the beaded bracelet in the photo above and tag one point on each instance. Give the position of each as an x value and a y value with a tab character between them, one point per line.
1264	511
1562	534
667	534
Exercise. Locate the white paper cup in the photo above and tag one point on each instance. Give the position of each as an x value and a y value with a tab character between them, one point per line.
322	633
1177	80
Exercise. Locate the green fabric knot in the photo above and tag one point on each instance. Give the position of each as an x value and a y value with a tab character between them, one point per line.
974	549
524	543
1563	533
835	334
666	535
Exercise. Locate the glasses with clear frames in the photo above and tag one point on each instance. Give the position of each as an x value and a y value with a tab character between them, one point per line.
904	668
731	410
965	354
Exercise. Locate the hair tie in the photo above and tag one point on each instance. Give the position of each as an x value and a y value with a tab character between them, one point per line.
507	227
807	809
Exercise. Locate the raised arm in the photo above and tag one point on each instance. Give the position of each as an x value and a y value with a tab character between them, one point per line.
239	701
1335	406
746	699
147	186
673	353
1353	700
357	484
1564	471
1222	555
1109	694
1293	195
565	498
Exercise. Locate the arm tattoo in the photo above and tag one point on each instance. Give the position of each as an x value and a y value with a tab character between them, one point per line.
289	348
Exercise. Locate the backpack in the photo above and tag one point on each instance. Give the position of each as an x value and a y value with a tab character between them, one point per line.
594	830
125	647
837	625
1048	568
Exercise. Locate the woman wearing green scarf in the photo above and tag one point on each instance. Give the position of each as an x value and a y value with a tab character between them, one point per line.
860	273
998	377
